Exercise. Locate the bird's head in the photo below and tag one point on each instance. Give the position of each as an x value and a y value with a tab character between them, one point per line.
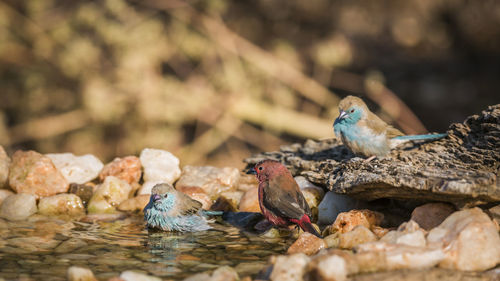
162	194
267	168
352	109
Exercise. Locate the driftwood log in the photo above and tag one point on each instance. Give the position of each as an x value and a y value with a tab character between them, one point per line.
462	168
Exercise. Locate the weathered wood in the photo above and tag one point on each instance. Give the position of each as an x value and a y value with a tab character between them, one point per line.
462	168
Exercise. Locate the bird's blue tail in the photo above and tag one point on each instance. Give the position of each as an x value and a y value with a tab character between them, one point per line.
213	213
420	137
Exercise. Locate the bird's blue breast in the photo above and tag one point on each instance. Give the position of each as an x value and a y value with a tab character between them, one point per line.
189	223
361	140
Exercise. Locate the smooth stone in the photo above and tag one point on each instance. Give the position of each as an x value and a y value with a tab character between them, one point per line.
127	169
76	273
333	204
250	201
290	268
495	214
408	233
470	240
247	182
359	235
384	256
134	204
379	231
130	275
61	204
197	194
34	173
147	187
4	168
18	207
212	180
224	273
312	193
4	193
307	243
159	165
328	268
431	215
77	169
347	221
34	243
84	191
108	195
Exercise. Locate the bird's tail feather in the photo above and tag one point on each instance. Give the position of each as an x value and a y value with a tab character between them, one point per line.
213	213
306	225
420	137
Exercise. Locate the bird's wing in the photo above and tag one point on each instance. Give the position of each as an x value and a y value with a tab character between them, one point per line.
186	205
282	196
380	127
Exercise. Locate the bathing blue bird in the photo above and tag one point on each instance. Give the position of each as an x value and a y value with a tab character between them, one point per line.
171	210
364	133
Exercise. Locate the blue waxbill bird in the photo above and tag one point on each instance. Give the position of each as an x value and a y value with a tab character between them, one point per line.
171	210
364	133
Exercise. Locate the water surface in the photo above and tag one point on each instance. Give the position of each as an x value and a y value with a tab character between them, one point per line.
44	248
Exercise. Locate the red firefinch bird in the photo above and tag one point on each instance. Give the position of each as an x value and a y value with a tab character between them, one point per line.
280	198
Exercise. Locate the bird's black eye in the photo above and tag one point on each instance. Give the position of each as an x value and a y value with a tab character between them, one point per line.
352	110
260	168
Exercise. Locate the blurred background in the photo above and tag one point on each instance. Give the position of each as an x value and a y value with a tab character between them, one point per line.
214	81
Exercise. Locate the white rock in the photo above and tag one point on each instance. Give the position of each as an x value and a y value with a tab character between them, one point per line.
4	167
469	239
159	165
136	276
398	256
109	195
77	169
332	268
408	233
290	268
18	206
304	183
76	273
147	186
333	204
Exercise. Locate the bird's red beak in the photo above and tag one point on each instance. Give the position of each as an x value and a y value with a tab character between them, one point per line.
251	171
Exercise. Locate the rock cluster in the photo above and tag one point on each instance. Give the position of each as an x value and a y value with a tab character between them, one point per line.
68	185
